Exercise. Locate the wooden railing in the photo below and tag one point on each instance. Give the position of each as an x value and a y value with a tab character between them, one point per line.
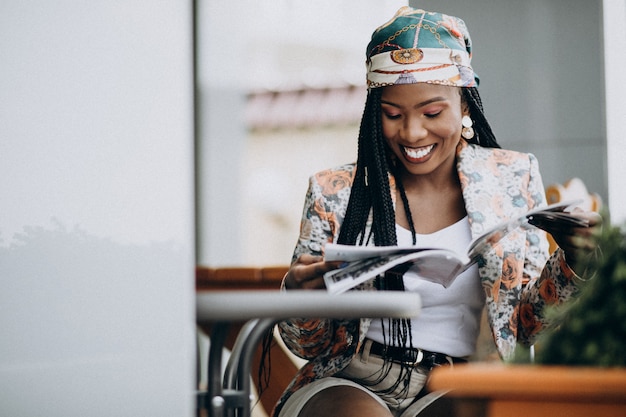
498	390
245	278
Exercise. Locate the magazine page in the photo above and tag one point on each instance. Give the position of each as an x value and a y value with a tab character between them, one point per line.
351	253
437	265
552	213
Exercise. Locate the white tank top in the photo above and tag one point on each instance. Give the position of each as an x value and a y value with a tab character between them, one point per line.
449	321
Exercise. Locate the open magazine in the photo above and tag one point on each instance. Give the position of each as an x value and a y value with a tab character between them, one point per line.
438	265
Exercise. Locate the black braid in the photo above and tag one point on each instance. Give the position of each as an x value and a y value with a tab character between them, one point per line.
405	204
384	216
483	134
371	192
370	189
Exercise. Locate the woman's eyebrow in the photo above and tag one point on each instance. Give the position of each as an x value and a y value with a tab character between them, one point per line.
422	104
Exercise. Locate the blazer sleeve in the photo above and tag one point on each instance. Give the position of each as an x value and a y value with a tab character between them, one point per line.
551	282
324	207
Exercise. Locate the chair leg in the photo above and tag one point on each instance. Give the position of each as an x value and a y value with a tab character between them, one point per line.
237	378
213	400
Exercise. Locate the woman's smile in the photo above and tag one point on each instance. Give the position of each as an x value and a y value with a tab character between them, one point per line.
417	155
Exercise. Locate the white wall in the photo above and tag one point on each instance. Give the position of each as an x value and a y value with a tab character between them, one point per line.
221	130
96	221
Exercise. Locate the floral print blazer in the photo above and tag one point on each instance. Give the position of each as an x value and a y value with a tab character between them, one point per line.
517	275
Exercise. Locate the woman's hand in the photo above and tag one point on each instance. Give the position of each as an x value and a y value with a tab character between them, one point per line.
577	242
307	273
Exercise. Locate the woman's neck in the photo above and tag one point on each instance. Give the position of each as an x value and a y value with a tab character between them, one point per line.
444	178
435	202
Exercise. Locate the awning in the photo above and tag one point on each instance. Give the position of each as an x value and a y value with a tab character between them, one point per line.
305	108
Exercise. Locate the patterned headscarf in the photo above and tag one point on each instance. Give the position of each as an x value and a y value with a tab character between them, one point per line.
417	46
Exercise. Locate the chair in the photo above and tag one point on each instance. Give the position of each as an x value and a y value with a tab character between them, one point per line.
573	189
228	392
284	365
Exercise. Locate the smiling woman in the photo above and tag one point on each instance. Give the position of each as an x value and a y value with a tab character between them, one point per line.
429	172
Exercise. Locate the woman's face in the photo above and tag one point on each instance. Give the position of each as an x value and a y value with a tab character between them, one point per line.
422	125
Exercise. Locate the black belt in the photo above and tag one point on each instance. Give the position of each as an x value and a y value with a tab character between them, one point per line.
412	356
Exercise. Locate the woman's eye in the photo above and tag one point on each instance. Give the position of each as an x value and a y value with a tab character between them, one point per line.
392	116
432	115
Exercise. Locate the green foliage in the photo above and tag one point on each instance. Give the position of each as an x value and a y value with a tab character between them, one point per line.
592	328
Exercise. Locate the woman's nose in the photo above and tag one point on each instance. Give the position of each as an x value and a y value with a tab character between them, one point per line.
413	130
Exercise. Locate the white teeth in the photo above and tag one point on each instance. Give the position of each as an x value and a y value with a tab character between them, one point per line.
418	153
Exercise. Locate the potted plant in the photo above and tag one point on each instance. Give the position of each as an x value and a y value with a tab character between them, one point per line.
591	330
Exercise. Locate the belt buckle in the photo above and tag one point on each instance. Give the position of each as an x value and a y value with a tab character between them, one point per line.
419	357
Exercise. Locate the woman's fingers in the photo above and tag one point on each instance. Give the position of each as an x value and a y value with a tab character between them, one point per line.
308	272
578	241
592	221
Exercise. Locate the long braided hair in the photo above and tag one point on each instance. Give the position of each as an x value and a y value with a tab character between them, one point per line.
371	195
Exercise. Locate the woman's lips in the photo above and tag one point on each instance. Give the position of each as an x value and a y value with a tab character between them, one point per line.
417	154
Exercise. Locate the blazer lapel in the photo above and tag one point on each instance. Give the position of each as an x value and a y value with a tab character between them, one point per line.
481	173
